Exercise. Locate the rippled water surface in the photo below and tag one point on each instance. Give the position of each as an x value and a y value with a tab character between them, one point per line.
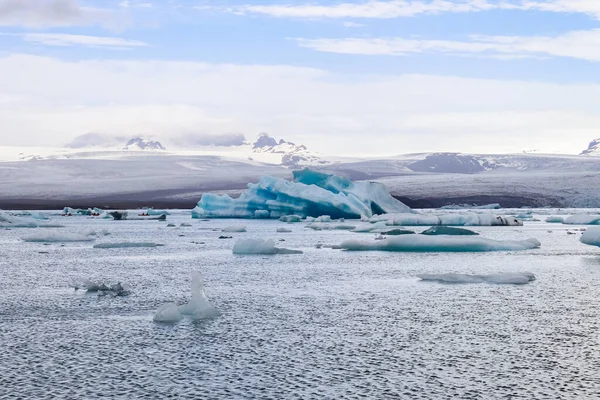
324	324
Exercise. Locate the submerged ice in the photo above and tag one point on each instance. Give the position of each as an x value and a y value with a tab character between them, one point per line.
423	243
310	194
511	278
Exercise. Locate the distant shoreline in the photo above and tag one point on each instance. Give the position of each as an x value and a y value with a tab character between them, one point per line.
154	200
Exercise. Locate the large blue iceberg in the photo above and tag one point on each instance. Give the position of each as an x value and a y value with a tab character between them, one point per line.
310	194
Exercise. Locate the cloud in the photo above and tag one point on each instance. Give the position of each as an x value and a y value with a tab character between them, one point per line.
61	39
350	24
411	8
371	9
198	140
330	113
583	45
134	4
52	13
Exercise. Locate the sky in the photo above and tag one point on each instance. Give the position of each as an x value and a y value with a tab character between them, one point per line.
355	78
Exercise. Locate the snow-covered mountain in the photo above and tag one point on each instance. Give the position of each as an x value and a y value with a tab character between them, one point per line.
593	148
141	144
290	154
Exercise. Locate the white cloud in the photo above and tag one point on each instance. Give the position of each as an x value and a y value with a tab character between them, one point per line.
61	39
350	24
134	4
583	45
371	9
411	8
53	101
53	13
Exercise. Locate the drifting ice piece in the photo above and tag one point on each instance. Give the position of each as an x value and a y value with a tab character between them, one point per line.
259	246
555	220
446	220
583	220
420	243
168	313
52	236
591	237
311	194
232	229
514	278
122	245
199	307
446	230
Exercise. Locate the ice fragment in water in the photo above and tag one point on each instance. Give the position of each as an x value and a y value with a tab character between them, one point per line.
259	246
48	236
446	230
120	245
591	237
421	243
198	307
513	278
231	229
168	313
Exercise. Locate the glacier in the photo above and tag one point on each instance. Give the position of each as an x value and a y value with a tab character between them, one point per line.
423	243
310	194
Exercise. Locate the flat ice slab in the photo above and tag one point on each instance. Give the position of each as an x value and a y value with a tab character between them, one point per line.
422	243
260	246
512	278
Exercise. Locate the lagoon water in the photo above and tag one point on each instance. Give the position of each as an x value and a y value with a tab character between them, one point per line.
326	324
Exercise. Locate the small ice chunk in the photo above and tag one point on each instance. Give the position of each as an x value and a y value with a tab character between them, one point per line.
398	232
512	278
422	243
555	220
582	220
185	224
231	229
198	307
319	226
47	236
283	230
291	218
591	237
168	313
262	214
260	246
121	245
446	230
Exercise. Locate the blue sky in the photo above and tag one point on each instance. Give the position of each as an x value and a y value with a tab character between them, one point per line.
441	75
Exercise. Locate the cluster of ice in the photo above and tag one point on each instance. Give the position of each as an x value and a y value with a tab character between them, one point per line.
583	219
421	243
48	236
513	278
591	237
121	245
310	194
232	229
470	219
197	308
260	246
320	226
10	221
446	230
104	289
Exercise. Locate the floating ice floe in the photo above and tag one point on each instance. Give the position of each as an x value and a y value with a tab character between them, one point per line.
121	245
283	230
555	220
48	236
446	230
446	220
199	307
591	237
260	246
512	278
10	221
232	229
290	218
583	219
398	232
421	243
319	226
310	194
104	289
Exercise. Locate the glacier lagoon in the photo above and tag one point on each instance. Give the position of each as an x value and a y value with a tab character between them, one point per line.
323	324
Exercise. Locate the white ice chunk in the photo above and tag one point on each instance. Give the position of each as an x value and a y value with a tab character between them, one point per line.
591	237
168	313
260	246
320	226
422	243
120	245
47	236
198	307
583	219
238	228
283	230
555	220
513	278
446	220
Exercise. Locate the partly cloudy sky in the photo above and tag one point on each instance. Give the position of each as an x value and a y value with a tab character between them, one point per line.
343	77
